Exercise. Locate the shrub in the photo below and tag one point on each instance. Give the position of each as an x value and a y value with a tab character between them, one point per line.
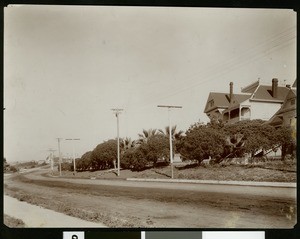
201	142
134	159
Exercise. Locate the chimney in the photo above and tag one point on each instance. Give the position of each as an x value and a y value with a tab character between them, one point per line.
274	87
231	92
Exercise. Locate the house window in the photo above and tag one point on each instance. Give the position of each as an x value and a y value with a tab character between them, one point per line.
293	101
211	103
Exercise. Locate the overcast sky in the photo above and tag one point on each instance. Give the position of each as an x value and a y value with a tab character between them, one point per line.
65	67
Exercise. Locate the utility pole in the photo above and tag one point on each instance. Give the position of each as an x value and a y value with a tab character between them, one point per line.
51	159
74	164
170	133
59	155
117	112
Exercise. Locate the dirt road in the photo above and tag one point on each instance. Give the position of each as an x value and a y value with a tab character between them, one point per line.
135	204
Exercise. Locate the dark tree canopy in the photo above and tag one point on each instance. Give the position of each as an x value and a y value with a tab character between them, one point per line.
85	162
157	147
201	142
104	154
257	135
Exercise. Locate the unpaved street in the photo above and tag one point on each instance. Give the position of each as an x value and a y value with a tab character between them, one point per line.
142	204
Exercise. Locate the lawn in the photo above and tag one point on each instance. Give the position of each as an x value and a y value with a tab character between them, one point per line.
270	171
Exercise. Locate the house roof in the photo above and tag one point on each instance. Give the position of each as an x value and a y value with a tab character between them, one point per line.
250	88
264	92
277	117
221	100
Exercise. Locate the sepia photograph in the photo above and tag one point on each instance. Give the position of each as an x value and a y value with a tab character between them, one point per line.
149	117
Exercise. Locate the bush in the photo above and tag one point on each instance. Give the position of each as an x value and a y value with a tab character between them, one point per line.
66	166
201	142
134	159
104	155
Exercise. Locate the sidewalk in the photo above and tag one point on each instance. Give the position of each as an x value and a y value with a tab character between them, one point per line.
35	216
238	183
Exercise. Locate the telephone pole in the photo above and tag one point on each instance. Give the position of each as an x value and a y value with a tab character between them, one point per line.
170	133
59	155
117	112
74	164
51	159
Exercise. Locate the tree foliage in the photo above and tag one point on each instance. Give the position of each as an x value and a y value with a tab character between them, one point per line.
143	138
134	159
284	137
157	147
256	135
85	162
201	142
175	135
104	155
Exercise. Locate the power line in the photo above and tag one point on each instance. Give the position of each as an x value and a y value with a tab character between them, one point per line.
236	62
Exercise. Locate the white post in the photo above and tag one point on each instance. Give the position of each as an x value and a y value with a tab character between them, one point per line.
117	114
171	144
59	154
170	134
52	163
74	164
73	156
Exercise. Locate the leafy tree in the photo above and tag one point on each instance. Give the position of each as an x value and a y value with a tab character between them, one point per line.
134	159
138	158
5	164
85	162
201	142
284	137
256	135
8	168
157	147
104	155
65	166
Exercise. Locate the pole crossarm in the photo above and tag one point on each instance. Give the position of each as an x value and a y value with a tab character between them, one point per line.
117	111
170	106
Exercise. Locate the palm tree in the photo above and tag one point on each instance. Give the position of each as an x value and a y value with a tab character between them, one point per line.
143	138
127	143
175	135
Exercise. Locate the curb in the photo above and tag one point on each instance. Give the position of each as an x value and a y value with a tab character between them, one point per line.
216	182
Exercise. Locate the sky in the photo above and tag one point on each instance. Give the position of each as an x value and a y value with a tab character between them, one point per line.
66	67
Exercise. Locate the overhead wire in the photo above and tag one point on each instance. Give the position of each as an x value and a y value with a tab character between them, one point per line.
250	54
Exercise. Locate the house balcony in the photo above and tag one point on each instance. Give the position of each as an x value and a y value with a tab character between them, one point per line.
245	118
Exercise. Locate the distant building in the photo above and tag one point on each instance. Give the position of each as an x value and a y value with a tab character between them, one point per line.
256	101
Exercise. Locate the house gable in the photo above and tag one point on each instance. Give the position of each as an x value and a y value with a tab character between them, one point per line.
216	100
264	93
